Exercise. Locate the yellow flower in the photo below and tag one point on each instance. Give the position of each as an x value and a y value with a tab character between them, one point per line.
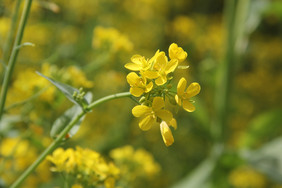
76	186
138	85
138	63
176	52
59	158
162	67
150	115
166	133
183	97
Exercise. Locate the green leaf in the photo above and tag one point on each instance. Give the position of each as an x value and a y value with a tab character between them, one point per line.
267	159
262	128
67	90
67	117
7	122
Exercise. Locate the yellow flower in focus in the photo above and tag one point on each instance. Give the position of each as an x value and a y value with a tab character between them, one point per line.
166	133
176	52
139	63
162	67
149	115
138	85
183	97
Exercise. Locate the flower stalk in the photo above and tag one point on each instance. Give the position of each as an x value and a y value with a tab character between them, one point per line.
14	55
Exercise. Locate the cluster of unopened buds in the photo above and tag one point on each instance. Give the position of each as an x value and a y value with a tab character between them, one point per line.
152	83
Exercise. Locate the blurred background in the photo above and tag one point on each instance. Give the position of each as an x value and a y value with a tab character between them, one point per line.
87	43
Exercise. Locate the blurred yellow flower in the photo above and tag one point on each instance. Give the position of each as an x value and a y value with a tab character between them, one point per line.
246	177
76	186
183	97
135	164
176	52
149	115
78	77
138	85
85	165
17	154
111	38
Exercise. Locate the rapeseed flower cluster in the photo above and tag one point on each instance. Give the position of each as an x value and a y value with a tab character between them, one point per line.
137	166
111	38
88	167
152	84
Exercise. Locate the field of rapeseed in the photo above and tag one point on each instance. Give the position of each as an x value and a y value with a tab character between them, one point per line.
141	93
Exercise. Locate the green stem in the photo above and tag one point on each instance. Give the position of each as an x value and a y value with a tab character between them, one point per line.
235	15
14	55
62	135
11	33
224	74
25	101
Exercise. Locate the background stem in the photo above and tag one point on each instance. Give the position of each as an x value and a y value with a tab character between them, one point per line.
225	74
14	55
12	30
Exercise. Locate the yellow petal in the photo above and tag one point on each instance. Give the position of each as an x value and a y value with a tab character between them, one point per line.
151	74
176	52
164	115
132	66
136	91
137	59
149	87
188	106
158	103
171	66
166	134
161	80
193	89
132	78
141	110
173	123
178	100
147	122
161	61
151	61
181	86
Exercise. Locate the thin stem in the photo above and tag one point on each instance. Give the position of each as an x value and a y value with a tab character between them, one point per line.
224	74
14	55
11	33
235	15
26	100
62	135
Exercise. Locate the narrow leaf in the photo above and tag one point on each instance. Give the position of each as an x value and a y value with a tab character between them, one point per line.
67	90
67	117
